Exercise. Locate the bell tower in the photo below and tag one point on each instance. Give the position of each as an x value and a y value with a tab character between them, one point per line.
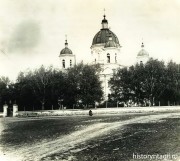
67	58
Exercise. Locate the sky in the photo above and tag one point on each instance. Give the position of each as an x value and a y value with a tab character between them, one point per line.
32	32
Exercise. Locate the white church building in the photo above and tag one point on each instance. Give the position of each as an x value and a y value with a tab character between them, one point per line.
105	51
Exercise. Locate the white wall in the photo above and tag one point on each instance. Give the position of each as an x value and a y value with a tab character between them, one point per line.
67	58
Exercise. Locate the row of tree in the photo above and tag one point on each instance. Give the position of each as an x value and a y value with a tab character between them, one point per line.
146	84
152	83
46	88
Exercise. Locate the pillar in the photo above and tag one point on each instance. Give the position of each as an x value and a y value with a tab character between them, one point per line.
5	112
15	110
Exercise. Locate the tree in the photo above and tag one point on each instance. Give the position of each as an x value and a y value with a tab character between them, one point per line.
140	83
39	83
155	80
44	85
172	91
90	85
84	85
120	85
4	94
57	87
26	98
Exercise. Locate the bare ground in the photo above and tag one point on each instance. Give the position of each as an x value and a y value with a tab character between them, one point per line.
76	140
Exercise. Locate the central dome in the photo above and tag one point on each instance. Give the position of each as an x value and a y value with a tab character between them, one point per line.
103	37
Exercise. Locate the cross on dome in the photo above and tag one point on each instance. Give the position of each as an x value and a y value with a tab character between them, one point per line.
104	14
66	50
66	43
142	45
104	21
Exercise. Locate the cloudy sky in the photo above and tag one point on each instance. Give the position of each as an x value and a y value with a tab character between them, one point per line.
32	32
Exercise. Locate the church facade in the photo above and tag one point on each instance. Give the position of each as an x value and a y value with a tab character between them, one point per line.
105	51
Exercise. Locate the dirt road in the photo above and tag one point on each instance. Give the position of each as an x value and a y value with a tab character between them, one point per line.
61	145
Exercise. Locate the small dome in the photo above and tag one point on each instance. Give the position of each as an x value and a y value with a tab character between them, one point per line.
143	52
103	37
66	50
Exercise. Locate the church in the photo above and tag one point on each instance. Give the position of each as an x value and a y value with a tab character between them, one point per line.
105	51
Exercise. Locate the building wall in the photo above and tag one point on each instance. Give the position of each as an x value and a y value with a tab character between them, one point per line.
142	59
67	58
99	55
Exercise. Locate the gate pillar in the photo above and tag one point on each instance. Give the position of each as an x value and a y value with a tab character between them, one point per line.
5	110
15	110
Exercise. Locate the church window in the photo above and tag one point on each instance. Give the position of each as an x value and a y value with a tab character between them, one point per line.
108	58
63	63
115	58
95	60
70	63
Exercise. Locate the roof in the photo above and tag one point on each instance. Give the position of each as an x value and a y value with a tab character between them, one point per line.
66	50
103	37
143	52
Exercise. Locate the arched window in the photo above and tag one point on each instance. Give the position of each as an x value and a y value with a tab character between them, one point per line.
108	58
115	58
63	63
70	63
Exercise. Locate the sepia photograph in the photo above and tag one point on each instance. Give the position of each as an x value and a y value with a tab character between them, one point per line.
89	80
